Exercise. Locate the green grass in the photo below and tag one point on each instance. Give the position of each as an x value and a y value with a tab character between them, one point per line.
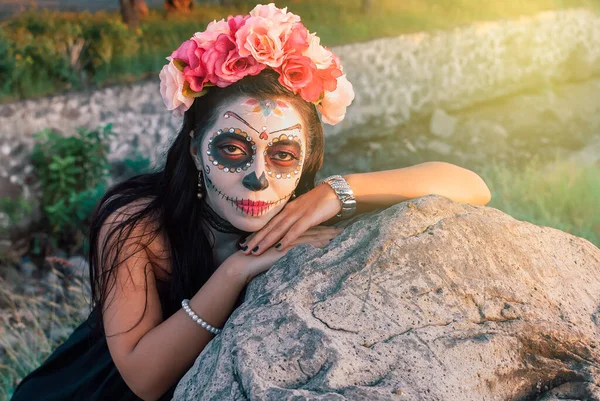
564	195
40	53
27	321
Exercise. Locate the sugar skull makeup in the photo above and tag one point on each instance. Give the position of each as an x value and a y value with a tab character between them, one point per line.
252	159
227	153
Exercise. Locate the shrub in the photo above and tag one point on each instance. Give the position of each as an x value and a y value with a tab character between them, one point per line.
73	173
7	64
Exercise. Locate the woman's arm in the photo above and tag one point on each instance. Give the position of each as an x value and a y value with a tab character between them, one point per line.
156	353
372	191
386	188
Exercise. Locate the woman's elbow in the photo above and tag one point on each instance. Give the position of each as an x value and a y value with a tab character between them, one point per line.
138	382
146	394
483	193
485	197
145	389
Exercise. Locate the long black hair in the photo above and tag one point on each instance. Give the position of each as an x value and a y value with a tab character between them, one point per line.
173	207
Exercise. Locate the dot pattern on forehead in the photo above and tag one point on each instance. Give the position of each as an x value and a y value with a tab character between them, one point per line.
229	169
291	173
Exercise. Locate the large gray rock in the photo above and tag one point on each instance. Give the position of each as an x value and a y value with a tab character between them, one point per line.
427	300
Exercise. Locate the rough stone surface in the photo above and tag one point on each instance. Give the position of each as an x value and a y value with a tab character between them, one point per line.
427	300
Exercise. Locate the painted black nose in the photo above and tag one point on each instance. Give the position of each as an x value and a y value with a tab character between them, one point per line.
254	183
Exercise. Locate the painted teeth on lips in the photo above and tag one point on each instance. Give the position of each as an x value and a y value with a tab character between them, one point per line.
253	207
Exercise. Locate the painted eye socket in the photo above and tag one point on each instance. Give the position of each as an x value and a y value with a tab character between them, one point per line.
232	150
284	156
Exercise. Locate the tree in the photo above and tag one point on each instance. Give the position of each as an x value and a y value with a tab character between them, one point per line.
179	5
132	11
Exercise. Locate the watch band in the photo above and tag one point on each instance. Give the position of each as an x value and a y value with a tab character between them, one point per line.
343	192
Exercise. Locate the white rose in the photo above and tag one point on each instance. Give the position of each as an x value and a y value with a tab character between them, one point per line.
317	53
171	89
334	104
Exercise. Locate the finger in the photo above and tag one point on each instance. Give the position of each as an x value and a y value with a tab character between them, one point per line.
274	228
244	241
275	234
294	232
252	240
267	227
318	233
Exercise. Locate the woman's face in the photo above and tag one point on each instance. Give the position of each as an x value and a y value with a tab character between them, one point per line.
252	159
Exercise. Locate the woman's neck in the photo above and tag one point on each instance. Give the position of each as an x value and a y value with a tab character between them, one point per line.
225	245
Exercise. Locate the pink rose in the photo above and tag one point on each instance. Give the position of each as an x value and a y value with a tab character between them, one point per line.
224	65
187	54
270	11
297	40
196	72
235	23
334	104
214	57
264	40
208	52
235	67
171	86
209	36
298	73
330	74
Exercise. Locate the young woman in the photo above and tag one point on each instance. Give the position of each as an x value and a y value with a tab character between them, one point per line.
171	252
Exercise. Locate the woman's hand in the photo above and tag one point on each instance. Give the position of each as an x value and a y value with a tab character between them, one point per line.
308	210
252	265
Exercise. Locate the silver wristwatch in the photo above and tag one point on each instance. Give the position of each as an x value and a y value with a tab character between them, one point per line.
343	192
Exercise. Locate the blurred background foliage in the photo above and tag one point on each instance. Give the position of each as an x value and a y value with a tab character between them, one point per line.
43	51
73	172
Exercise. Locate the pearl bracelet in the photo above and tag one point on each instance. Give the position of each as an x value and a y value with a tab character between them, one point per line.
186	307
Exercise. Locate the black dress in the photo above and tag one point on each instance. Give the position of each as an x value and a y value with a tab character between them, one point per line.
81	369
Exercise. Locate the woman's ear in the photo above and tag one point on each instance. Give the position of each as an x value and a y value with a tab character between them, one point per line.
194	151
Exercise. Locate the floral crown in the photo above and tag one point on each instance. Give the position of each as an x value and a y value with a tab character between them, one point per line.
270	37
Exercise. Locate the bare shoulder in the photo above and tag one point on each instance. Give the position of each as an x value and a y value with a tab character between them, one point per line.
142	235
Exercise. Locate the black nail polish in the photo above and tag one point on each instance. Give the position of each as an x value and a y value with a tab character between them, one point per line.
255	248
244	248
278	245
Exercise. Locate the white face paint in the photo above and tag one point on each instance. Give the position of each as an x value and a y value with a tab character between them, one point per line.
252	160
